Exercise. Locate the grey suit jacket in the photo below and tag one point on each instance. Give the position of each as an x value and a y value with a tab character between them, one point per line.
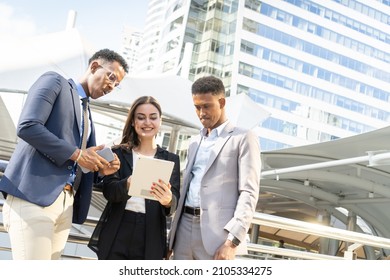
49	131
229	188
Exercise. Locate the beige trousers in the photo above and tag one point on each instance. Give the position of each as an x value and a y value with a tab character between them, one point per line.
36	232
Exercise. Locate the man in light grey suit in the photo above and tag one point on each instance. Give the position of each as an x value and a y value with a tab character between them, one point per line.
39	181
221	182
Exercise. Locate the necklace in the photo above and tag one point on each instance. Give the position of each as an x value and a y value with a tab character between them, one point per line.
148	154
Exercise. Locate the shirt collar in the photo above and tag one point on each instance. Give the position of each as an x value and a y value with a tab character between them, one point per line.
218	129
81	91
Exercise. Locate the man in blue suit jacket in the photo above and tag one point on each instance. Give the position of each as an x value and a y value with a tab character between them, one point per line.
38	181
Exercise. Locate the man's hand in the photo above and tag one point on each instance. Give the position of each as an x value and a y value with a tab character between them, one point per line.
227	251
91	160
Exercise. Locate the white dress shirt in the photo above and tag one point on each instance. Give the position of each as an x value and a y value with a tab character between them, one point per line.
202	157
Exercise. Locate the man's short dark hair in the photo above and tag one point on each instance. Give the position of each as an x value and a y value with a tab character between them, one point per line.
209	84
110	56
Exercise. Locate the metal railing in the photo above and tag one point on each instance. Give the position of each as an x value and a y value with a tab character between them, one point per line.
259	251
357	239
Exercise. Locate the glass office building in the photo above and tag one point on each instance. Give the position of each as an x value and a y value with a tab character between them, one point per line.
321	68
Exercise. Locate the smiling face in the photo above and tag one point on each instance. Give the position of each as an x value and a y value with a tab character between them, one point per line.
147	121
104	77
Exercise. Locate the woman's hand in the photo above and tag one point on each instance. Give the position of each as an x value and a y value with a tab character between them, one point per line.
162	192
110	167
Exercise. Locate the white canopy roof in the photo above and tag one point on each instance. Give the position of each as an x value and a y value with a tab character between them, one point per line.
174	95
357	187
332	178
24	60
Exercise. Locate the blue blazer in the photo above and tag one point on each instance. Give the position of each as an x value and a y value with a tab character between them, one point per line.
49	132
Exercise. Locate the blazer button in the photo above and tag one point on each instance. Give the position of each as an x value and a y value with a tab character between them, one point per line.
69	167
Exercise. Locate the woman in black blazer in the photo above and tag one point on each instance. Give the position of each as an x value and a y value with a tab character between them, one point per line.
132	227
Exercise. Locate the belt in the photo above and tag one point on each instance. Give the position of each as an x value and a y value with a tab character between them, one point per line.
192	211
68	188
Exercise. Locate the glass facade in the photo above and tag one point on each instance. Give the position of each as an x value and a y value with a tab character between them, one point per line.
320	67
323	68
212	30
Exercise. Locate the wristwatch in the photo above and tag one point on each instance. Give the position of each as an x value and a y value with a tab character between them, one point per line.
233	239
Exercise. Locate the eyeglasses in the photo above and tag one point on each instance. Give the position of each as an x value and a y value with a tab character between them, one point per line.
112	77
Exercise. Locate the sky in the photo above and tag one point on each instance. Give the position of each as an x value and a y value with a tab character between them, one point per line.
99	22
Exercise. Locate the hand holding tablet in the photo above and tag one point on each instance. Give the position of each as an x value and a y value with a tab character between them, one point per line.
147	171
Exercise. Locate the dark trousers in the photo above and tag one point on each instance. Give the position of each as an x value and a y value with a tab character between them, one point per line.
129	243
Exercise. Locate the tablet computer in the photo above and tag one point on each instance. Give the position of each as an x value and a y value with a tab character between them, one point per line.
146	171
